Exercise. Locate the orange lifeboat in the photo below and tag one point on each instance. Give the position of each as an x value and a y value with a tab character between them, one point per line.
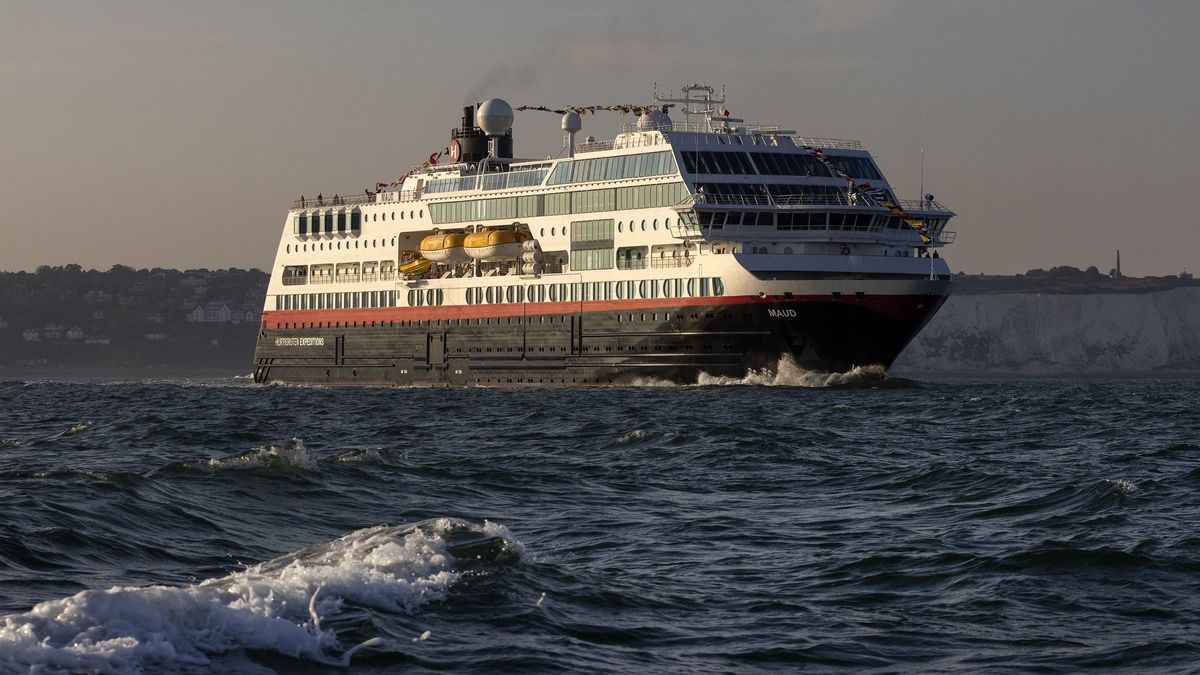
413	264
494	244
444	247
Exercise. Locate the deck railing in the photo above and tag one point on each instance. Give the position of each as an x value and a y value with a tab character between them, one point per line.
685	261
355	199
840	199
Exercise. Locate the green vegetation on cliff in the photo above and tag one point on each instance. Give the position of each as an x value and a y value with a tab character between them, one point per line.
67	319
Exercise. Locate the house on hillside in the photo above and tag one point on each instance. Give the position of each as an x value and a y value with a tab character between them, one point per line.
213	312
97	297
53	331
76	333
31	335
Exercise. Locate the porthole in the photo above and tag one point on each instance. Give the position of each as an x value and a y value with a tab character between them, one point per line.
289	248
620	227
656	224
542	232
410	215
552	231
401	215
422	212
667	223
643	226
788	250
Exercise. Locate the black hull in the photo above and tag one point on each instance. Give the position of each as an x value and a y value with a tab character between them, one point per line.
608	347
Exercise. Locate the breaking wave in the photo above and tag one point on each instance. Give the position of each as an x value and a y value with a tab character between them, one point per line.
787	373
277	606
291	456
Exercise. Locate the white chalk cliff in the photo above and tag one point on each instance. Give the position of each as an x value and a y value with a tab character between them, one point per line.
1045	333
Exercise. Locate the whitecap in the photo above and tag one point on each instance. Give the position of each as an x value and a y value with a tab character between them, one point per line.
294	455
1120	485
274	606
788	373
78	428
635	435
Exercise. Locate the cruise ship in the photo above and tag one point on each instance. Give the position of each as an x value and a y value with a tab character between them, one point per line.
691	243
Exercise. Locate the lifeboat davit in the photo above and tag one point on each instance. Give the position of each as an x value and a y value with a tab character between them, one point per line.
444	247
493	244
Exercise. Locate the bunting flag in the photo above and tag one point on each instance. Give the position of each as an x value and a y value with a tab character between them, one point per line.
877	195
624	109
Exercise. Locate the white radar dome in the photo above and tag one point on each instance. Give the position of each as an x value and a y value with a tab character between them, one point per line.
572	122
495	117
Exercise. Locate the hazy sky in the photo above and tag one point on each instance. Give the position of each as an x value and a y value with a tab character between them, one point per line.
176	134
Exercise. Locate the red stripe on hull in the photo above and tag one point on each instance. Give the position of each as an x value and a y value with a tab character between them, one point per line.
900	307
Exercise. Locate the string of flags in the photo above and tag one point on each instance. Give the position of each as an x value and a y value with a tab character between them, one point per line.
435	156
877	195
591	109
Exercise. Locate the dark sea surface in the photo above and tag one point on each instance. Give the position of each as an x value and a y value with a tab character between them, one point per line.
856	523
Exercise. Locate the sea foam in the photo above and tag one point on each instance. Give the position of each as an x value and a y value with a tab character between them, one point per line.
787	373
276	606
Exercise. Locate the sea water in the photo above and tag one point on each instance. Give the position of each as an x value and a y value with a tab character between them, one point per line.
830	521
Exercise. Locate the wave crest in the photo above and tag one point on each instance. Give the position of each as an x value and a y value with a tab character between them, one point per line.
788	373
291	456
275	606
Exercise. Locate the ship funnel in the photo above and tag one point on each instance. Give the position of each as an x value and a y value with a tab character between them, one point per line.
571	123
468	144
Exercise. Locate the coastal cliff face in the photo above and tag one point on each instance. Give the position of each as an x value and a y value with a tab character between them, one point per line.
1036	333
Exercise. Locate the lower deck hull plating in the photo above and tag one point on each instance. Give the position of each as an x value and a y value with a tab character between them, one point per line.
603	346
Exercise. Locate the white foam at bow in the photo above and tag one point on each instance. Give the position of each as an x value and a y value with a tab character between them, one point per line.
787	373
